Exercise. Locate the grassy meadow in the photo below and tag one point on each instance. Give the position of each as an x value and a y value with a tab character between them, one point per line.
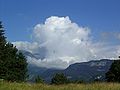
27	86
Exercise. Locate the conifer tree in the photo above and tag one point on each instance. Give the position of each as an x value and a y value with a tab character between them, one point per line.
59	78
13	65
113	75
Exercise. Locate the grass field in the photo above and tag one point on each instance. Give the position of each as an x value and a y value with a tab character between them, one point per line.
27	86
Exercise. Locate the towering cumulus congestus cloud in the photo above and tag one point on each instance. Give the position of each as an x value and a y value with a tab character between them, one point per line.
60	42
64	40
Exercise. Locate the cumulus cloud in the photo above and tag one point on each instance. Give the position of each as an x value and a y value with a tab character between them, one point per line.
118	36
62	38
31	47
65	42
105	50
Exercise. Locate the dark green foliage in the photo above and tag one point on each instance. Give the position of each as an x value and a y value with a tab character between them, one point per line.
77	81
38	79
59	78
113	75
13	65
97	80
119	56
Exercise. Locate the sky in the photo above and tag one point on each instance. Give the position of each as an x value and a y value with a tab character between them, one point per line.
84	29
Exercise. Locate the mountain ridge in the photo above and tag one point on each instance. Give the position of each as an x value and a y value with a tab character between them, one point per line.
87	71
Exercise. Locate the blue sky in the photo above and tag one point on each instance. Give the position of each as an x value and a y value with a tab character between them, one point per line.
23	18
20	16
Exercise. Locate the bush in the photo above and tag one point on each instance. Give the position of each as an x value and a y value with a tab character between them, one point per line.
38	79
77	81
59	78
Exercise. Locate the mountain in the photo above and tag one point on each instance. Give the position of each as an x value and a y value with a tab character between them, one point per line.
34	70
41	55
87	71
27	53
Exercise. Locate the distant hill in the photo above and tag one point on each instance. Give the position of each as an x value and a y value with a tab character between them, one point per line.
87	71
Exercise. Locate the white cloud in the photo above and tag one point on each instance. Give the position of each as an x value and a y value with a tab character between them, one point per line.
118	51
118	36
31	47
105	50
65	43
48	63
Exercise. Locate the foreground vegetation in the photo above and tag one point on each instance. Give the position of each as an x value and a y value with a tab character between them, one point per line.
27	86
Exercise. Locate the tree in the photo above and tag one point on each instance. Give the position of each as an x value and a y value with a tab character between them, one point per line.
2	48
13	65
77	81
2	38
59	78
119	57
38	79
113	75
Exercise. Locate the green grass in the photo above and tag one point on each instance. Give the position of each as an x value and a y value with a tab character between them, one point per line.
27	86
